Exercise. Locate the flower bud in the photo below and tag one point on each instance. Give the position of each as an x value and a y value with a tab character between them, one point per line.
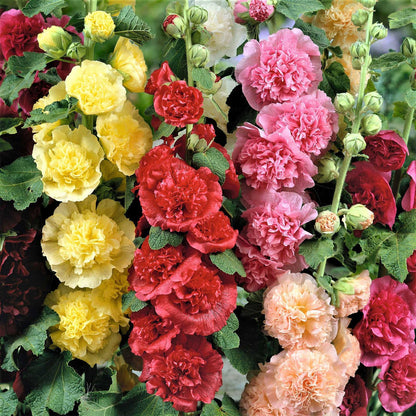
197	15
76	50
327	223
358	217
201	146
54	41
99	26
216	85
192	141
373	101
408	48
368	3
199	55
371	124
200	35
344	102
378	31
354	143
360	17
359	49
174	26
357	63
328	168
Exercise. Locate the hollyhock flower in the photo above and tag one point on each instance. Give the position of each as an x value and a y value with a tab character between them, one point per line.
258	10
18	33
190	371
397	390
306	382
386	150
163	75
173	195
280	68
389	320
369	187
151	333
202	304
356	398
409	198
178	103
272	161
157	272
97	86
298	313
311	119
276	228
84	242
411	264
99	26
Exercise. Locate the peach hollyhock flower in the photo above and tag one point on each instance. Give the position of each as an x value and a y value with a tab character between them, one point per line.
306	382
70	163
84	242
349	304
129	60
87	326
125	137
97	86
298	313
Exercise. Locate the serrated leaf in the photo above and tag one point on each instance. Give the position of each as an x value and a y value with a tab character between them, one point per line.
317	35
387	61
228	262
20	182
202	77
12	85
214	160
32	339
242	361
316	251
8	125
407	222
410	98
8	402
400	109
159	238
130	26
402	18
176	56
164	130
228	408
293	9
52	384
130	300
28	63
33	7
334	80
226	338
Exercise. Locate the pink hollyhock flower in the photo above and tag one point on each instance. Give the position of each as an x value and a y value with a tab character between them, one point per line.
240	9
190	371
411	268
386	150
280	68
356	398
157	272
276	228
388	324
18	33
202	304
260	11
150	333
272	161
311	119
397	390
163	75
368	187
409	198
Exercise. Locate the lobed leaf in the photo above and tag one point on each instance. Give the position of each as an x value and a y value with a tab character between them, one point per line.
226	338
293	9
33	7
130	300
159	238
228	262
316	251
214	160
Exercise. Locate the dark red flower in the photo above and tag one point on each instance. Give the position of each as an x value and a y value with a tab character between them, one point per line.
356	398
29	96
190	371
10	216
159	77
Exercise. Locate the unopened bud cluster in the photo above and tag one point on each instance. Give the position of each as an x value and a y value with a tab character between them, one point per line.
357	218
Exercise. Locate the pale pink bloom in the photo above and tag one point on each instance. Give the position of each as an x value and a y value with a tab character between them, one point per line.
280	68
305	382
298	312
311	119
272	161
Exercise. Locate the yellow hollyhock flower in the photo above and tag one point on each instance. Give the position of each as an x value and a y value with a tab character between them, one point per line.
97	86
125	137
84	242
99	26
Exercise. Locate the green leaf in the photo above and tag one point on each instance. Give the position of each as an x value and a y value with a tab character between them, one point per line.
55	111
164	130
129	300
315	251
159	238
130	26
8	402
5	145
400	109
27	64
402	18
12	85
228	408
293	9
128	194
52	384
410	98
407	222
226	338
20	182
41	6
214	160
32	339
317	34
387	61
202	77
8	126
228	262
51	76
334	80
242	361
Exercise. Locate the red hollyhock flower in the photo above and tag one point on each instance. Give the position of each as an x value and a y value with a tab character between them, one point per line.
159	77
204	131
213	233
356	398
369	187
178	103
18	33
190	371
387	150
203	304
157	272
409	198
388	324
151	333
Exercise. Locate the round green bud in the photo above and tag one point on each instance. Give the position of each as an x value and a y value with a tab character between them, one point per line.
371	124
54	41
368	3
373	101
199	55
357	63
360	17
359	49
174	25
408	48
216	85
192	141
358	217
328	168
344	102
378	31
76	50
200	35
354	143
201	146
197	15
327	223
